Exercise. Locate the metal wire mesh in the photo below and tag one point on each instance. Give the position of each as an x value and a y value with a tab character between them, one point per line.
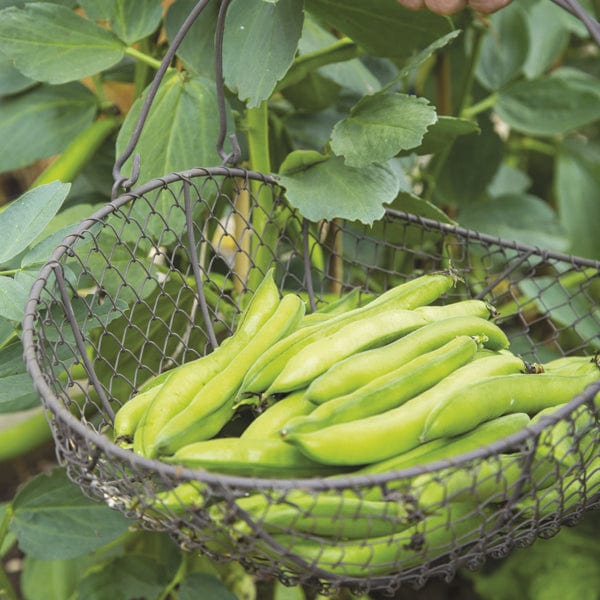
155	279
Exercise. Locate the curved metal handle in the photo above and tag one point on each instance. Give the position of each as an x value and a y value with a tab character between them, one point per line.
124	182
573	7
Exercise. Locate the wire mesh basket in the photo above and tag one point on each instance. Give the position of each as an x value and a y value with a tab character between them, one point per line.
134	292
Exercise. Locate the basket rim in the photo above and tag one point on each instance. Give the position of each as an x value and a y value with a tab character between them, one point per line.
51	401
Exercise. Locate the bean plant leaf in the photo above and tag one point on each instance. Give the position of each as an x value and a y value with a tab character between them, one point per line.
131	20
259	46
520	217
52	579
381	125
53	519
352	74
11	79
13	297
25	218
577	187
509	180
504	48
470	168
52	43
553	105
9	539
212	588
125	577
197	50
383	28
181	129
442	134
326	188
43	121
547	43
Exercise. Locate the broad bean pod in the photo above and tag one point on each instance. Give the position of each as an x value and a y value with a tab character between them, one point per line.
496	396
212	406
445	448
270	457
416	292
179	390
359	369
434	536
399	429
382	394
269	422
315	358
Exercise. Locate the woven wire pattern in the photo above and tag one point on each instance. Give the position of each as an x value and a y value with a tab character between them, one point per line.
155	279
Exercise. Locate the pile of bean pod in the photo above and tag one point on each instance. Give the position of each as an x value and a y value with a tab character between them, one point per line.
365	389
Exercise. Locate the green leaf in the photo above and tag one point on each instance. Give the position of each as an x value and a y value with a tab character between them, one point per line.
128	577
7	330
575	312
326	188
13	298
54	520
130	20
197	50
523	218
470	167
11	79
442	134
380	126
504	48
551	105
259	46
43	121
352	74
382	28
52	43
17	393
577	187
211	588
509	180
312	94
181	130
548	36
25	218
11	359
51	579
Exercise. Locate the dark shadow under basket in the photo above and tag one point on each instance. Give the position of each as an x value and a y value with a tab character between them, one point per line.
147	282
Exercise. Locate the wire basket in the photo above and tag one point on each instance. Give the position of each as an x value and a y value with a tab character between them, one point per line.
134	292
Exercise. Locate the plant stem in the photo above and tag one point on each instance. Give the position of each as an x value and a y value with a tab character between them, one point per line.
527	143
479	107
6	589
467	84
177	578
79	152
142	69
265	238
142	57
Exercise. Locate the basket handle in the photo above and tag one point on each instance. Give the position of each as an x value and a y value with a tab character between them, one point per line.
120	181
573	7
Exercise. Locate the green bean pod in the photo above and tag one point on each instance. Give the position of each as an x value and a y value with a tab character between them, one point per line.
357	370
270	457
444	448
409	295
570	492
343	304
382	394
399	429
463	308
325	515
571	365
212	406
269	422
179	391
315	358
496	396
434	536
